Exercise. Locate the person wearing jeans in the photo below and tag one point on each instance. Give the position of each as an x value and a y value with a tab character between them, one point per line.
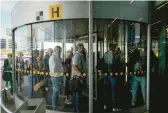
112	61
32	79
78	68
137	64
56	84
142	81
75	100
56	66
112	80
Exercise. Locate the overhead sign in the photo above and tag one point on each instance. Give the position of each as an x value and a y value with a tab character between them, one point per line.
55	12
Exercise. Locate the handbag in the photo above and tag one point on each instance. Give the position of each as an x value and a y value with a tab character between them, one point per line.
3	75
77	84
38	86
4	96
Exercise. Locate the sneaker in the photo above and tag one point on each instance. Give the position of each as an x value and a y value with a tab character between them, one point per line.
11	96
66	101
105	107
69	102
114	109
133	103
118	109
6	88
46	88
55	108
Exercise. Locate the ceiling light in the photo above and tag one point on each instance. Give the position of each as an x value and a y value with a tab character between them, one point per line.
140	18
131	1
162	6
114	20
156	22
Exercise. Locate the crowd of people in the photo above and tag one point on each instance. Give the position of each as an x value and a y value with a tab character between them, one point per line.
51	62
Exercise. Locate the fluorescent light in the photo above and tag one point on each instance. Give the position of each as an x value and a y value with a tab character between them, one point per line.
140	18
156	22
162	6
114	20
131	1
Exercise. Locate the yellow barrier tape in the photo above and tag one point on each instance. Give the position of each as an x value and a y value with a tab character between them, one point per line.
84	75
46	73
61	74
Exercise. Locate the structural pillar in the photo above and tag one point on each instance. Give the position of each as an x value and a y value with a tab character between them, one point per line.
90	58
148	66
126	50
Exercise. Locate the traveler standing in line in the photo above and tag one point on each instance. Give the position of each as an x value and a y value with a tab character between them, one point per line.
137	64
112	63
68	67
19	65
46	67
8	73
78	68
55	65
32	78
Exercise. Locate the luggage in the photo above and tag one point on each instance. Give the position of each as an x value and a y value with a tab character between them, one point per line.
38	86
4	96
77	85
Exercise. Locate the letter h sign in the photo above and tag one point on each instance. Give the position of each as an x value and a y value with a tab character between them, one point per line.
55	12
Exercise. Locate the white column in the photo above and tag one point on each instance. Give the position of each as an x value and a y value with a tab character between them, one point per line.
90	58
148	66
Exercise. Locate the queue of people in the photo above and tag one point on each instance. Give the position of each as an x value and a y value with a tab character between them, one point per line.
52	62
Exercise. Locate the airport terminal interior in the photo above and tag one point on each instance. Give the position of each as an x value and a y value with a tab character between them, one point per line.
87	56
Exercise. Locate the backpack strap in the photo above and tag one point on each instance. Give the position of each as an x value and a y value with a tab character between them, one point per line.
81	60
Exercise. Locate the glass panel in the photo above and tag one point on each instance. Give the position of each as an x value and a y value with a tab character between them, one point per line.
23	54
43	45
49	73
125	38
137	48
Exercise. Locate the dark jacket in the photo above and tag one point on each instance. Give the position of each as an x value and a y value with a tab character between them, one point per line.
46	63
68	66
134	57
115	67
7	76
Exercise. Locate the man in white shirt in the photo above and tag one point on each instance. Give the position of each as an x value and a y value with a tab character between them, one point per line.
55	65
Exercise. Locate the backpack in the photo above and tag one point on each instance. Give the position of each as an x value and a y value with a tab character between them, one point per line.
5	74
77	84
